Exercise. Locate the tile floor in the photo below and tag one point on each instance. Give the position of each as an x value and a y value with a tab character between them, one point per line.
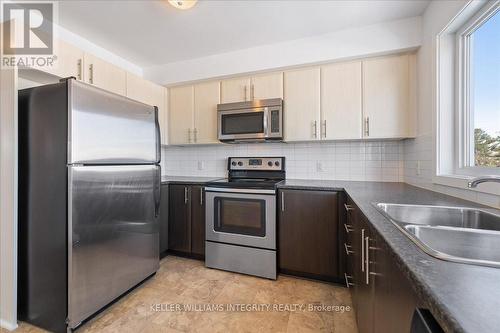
185	282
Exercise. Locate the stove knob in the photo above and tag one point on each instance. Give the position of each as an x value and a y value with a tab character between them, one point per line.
277	163
270	163
233	163
240	163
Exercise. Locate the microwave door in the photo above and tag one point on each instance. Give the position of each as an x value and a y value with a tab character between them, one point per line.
242	124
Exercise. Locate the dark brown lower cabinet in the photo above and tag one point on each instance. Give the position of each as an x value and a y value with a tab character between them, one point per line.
308	234
197	221
383	298
186	223
163	218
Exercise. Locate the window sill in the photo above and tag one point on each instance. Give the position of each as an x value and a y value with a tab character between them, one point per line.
460	181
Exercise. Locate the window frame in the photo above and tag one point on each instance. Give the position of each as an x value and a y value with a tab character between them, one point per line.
464	145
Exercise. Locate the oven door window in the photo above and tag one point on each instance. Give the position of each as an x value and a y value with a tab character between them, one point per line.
243	123
240	216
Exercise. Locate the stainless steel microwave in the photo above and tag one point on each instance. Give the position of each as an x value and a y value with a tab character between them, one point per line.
257	120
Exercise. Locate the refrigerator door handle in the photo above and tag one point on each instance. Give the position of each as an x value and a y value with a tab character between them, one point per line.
158	137
157	190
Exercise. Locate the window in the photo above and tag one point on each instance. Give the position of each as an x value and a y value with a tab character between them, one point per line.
467	97
479	91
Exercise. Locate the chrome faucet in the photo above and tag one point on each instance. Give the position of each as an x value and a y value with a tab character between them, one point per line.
478	180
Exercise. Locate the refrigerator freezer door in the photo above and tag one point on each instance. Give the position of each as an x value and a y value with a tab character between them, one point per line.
113	240
105	128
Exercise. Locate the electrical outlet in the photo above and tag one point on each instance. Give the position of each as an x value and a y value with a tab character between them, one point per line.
418	168
201	165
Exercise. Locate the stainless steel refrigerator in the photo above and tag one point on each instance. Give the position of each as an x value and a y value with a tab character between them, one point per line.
89	195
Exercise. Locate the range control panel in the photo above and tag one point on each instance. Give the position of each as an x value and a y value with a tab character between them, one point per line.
256	163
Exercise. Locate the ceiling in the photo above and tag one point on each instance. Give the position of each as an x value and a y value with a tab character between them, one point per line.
149	33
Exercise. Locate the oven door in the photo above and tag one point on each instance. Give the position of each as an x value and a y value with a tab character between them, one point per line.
241	217
243	124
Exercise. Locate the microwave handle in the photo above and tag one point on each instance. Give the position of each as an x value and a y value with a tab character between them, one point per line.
266	122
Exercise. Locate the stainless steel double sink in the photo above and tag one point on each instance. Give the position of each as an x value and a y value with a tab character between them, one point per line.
465	235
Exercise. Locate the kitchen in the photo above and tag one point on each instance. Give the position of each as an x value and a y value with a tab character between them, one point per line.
323	176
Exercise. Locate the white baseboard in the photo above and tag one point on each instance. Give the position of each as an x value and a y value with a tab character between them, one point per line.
8	325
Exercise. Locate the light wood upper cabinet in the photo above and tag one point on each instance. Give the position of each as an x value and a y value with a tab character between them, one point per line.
267	86
302	104
139	89
235	90
386	98
341	102
69	61
181	111
105	75
149	93
206	98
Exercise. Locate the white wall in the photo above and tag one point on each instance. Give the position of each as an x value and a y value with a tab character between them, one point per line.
355	160
8	198
387	37
422	149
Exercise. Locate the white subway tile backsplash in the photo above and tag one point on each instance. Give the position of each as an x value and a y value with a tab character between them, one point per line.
354	160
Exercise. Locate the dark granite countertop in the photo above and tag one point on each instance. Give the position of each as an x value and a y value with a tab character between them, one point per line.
463	298
186	179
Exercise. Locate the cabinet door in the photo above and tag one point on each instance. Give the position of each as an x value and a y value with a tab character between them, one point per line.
386	97
163	119
179	220
181	108
158	100
198	221
302	104
69	61
341	114
105	75
394	299
163	218
308	222
235	90
139	89
364	289
206	98
267	86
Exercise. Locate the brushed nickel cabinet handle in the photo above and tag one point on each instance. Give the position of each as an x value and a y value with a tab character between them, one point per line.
315	129
282	201
252	92
91	73
367	126
195	134
362	250
348	250
324	129
348	284
79	73
185	195
201	196
348	207
348	228
367	270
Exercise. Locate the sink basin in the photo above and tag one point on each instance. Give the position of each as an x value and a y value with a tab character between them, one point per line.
466	235
441	216
460	245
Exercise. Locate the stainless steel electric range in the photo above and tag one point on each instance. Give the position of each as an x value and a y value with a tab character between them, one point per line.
241	216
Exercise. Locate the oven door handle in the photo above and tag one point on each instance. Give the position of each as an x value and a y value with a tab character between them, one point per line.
240	190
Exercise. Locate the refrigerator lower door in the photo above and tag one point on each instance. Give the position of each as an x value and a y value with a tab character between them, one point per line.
113	240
